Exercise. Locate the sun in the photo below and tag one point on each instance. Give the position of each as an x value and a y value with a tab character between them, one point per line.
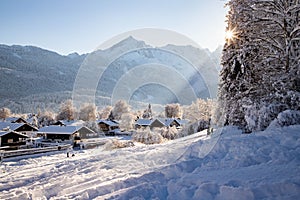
230	35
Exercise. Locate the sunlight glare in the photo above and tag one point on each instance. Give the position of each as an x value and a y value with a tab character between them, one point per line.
229	35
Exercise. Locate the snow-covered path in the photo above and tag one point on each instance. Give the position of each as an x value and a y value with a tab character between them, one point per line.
234	166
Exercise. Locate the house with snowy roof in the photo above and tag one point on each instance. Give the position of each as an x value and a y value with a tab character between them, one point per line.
159	123
12	139
151	123
68	134
69	123
23	128
143	123
107	125
15	120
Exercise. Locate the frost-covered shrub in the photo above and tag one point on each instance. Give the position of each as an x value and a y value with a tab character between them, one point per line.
189	129
286	118
116	144
267	114
200	110
259	118
251	117
147	136
170	133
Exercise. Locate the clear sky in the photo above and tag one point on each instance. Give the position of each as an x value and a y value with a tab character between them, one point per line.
67	26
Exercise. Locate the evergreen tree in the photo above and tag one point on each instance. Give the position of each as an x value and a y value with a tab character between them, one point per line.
260	74
147	113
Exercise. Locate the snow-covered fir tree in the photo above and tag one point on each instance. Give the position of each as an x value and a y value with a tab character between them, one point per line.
260	74
147	113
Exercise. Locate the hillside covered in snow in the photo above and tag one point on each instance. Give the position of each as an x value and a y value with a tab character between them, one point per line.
225	165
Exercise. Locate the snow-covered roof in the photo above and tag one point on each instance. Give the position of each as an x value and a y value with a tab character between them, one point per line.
108	122
14	119
182	121
165	121
2	133
60	129
10	126
71	122
144	122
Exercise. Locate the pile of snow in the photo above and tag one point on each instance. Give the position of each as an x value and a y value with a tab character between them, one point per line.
225	165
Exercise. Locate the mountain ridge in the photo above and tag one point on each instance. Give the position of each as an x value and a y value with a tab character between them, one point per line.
29	70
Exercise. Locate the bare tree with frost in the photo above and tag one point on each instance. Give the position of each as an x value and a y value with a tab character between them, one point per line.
88	112
67	111
4	113
173	111
46	118
120	108
104	113
127	121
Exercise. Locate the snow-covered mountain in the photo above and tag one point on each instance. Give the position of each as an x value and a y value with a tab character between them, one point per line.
28	70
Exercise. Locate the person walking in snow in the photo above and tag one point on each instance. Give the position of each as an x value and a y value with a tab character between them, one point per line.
68	152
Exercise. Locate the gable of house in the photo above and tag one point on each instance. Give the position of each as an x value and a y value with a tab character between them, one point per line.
15	120
19	127
107	125
85	132
11	138
157	124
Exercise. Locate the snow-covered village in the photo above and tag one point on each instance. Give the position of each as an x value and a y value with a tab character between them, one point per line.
181	100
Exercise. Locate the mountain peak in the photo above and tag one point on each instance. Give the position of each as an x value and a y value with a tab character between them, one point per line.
130	42
73	55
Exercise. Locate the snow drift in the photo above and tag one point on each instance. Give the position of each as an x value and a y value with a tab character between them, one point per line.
229	165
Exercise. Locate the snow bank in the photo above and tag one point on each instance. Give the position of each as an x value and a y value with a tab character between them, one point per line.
286	118
224	165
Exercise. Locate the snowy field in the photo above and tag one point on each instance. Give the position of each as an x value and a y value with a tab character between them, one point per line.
231	165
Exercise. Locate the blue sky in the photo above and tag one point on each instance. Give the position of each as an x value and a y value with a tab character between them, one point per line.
67	26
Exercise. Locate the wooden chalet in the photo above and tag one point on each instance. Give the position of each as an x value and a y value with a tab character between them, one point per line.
159	123
68	134
12	139
23	128
107	125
